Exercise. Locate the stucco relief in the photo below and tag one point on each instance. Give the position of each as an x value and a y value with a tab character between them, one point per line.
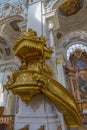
73	22
8	10
72	36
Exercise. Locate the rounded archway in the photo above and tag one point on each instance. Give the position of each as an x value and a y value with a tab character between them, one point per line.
73	46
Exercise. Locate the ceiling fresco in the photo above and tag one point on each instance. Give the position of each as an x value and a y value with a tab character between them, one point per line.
70	7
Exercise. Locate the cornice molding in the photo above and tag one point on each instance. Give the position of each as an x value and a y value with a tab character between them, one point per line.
74	22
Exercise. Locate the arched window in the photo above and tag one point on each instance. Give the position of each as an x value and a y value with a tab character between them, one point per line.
73	47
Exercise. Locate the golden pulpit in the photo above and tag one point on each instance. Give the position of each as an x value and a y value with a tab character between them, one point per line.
35	76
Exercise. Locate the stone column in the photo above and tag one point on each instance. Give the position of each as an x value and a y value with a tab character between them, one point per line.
60	71
40	113
8	99
51	38
52	61
70	77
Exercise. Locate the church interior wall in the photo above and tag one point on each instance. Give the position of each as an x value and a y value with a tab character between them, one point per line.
59	40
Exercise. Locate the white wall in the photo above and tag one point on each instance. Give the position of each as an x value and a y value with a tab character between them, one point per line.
35	20
34	17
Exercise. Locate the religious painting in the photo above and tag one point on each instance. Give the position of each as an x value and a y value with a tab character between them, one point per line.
78	81
80	64
81	67
82	83
78	61
70	7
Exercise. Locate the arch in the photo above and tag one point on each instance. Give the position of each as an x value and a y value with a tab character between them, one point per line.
71	38
11	18
74	36
72	47
78	62
14	25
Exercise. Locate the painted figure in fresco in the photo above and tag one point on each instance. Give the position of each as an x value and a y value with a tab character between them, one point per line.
70	7
79	63
83	87
82	74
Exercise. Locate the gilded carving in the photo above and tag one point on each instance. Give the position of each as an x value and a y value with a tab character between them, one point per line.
35	76
42	127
